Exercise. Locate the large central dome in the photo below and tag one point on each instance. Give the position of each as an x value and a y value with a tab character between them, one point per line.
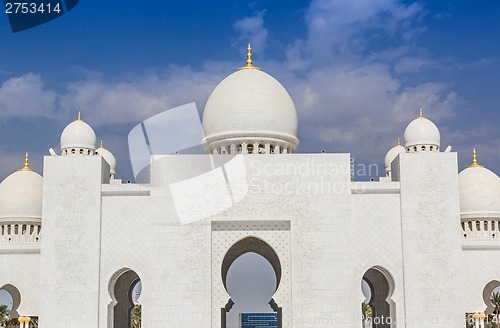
250	112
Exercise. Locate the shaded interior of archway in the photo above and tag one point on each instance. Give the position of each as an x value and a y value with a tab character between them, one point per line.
123	294
380	293
258	246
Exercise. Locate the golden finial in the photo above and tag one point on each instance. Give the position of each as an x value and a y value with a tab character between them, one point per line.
101	144
249	64
421	113
474	159
79	117
399	141
26	163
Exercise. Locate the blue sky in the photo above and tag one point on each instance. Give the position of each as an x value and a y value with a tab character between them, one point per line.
358	71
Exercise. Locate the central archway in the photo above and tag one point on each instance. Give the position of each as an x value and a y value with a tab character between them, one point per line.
244	246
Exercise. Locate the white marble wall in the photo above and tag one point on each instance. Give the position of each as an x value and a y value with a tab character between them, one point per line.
21	269
431	240
337	231
71	242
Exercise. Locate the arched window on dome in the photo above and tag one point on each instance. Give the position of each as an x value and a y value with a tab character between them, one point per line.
271	149
73	151
81	151
261	149
423	148
415	148
431	148
239	148
250	148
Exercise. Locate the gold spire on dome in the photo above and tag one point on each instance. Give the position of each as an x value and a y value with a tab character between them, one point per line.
249	64
474	159
101	144
79	117
421	113
26	163
399	141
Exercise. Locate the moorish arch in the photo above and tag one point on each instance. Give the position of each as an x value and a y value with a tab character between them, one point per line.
121	286
487	291
16	298
381	284
257	246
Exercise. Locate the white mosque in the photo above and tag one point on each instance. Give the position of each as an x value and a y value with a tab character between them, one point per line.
425	238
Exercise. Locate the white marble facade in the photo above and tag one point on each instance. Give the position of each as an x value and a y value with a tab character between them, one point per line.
429	254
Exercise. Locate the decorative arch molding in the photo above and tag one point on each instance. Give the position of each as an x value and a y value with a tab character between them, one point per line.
251	245
227	237
120	289
487	291
16	298
382	285
260	247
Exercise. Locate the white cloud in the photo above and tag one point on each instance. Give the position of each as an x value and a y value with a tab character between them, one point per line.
363	109
26	96
412	64
251	29
139	98
340	26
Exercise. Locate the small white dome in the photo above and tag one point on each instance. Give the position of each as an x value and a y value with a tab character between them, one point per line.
77	135
422	134
391	155
21	195
108	157
479	193
250	105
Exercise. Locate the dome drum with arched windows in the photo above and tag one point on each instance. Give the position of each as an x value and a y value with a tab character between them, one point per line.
78	138
250	112
422	135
